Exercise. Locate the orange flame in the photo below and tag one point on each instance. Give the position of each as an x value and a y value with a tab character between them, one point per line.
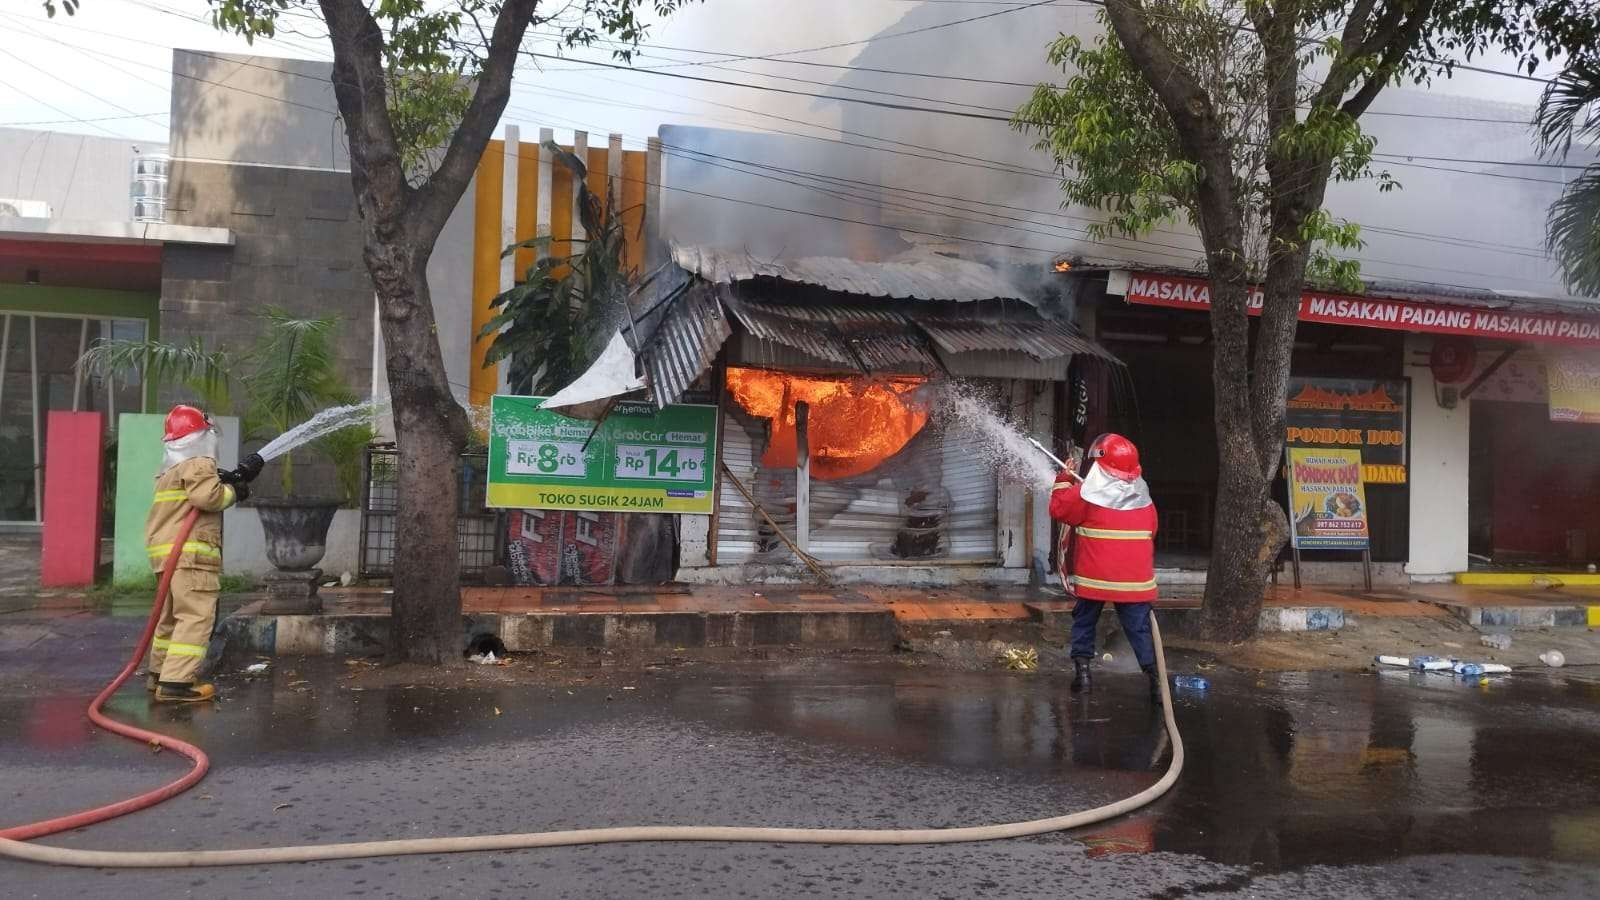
853	426
1063	266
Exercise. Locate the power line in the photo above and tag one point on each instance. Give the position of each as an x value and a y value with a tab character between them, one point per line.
1007	119
1487	162
80	121
1052	176
1062	233
52	106
1002	167
1304	42
75	86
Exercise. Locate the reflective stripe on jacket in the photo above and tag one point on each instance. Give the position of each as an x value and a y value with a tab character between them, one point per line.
1114	557
191	484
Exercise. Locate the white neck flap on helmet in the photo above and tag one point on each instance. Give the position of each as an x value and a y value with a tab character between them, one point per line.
1104	489
201	444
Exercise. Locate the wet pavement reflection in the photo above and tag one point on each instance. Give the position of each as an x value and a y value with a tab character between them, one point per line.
1284	770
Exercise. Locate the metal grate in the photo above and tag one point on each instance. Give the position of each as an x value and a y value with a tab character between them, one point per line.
477	528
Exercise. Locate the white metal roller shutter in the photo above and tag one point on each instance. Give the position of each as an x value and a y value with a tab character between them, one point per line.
858	519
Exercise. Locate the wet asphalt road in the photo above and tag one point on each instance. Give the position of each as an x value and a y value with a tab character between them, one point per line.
1297	785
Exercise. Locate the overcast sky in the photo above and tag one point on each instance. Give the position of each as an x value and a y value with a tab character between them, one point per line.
107	70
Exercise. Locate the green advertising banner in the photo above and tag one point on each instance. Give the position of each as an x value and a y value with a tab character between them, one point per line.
640	459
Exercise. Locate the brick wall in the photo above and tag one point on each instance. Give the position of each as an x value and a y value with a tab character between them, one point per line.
298	246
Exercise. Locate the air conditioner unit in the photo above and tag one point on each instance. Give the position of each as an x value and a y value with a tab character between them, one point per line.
23	209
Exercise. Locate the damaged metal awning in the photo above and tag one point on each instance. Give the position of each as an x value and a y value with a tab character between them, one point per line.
857	337
607	378
878	317
692	330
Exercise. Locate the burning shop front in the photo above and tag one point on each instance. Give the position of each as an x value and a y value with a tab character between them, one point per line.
858	405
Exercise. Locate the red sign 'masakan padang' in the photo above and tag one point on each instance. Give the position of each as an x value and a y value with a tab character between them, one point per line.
1396	315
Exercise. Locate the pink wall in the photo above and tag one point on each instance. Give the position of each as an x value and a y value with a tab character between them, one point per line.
74	461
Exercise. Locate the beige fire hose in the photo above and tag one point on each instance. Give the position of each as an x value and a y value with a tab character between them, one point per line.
153	859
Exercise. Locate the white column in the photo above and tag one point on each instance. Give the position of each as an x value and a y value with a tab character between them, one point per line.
614	170
802	476
1042	427
1012	521
580	149
508	232
655	251
1438	474
541	213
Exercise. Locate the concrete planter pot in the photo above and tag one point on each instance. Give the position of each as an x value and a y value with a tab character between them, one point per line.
296	532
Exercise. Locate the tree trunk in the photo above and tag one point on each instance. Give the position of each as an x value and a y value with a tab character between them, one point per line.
1250	443
1236	577
430	433
401	225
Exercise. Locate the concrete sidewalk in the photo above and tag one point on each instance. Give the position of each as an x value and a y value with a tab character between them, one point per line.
355	621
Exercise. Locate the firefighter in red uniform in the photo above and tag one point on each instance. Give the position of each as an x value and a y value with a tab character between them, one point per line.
1113	556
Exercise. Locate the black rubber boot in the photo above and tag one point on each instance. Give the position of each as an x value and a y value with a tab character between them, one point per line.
1081	680
1154	675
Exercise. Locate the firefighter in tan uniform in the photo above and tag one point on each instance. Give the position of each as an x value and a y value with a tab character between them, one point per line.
189	480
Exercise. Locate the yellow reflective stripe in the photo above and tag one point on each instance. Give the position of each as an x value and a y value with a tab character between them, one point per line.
171	496
229	495
1115	585
177	649
198	548
161	643
1114	534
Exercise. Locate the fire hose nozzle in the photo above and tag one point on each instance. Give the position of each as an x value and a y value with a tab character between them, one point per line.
245	472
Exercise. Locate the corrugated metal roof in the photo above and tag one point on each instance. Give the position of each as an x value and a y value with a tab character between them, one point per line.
685	343
1042	339
859	336
852	336
925	276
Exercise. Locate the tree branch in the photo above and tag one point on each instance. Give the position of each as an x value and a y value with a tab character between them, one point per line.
1356	24
1380	39
359	88
1193	116
436	198
1401	44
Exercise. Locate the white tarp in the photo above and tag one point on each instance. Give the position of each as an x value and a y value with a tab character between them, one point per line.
611	376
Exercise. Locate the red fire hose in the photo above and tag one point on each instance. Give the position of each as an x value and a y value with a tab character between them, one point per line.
198	757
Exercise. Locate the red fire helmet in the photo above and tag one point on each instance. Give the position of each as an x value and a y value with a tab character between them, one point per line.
1117	456
184	421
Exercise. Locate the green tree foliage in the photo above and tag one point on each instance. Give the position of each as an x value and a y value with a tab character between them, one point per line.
1234	115
1536	32
1569	115
553	323
420	88
1123	156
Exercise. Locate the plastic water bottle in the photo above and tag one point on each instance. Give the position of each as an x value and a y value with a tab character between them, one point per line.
1471	669
1190	682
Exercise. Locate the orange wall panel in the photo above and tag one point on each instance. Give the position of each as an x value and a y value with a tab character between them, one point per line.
485	264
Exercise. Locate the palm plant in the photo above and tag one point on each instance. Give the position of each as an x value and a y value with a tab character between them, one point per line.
552	324
288	375
203	373
1569	113
293	377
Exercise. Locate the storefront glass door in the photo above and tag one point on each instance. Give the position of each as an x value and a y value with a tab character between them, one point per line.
39	361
